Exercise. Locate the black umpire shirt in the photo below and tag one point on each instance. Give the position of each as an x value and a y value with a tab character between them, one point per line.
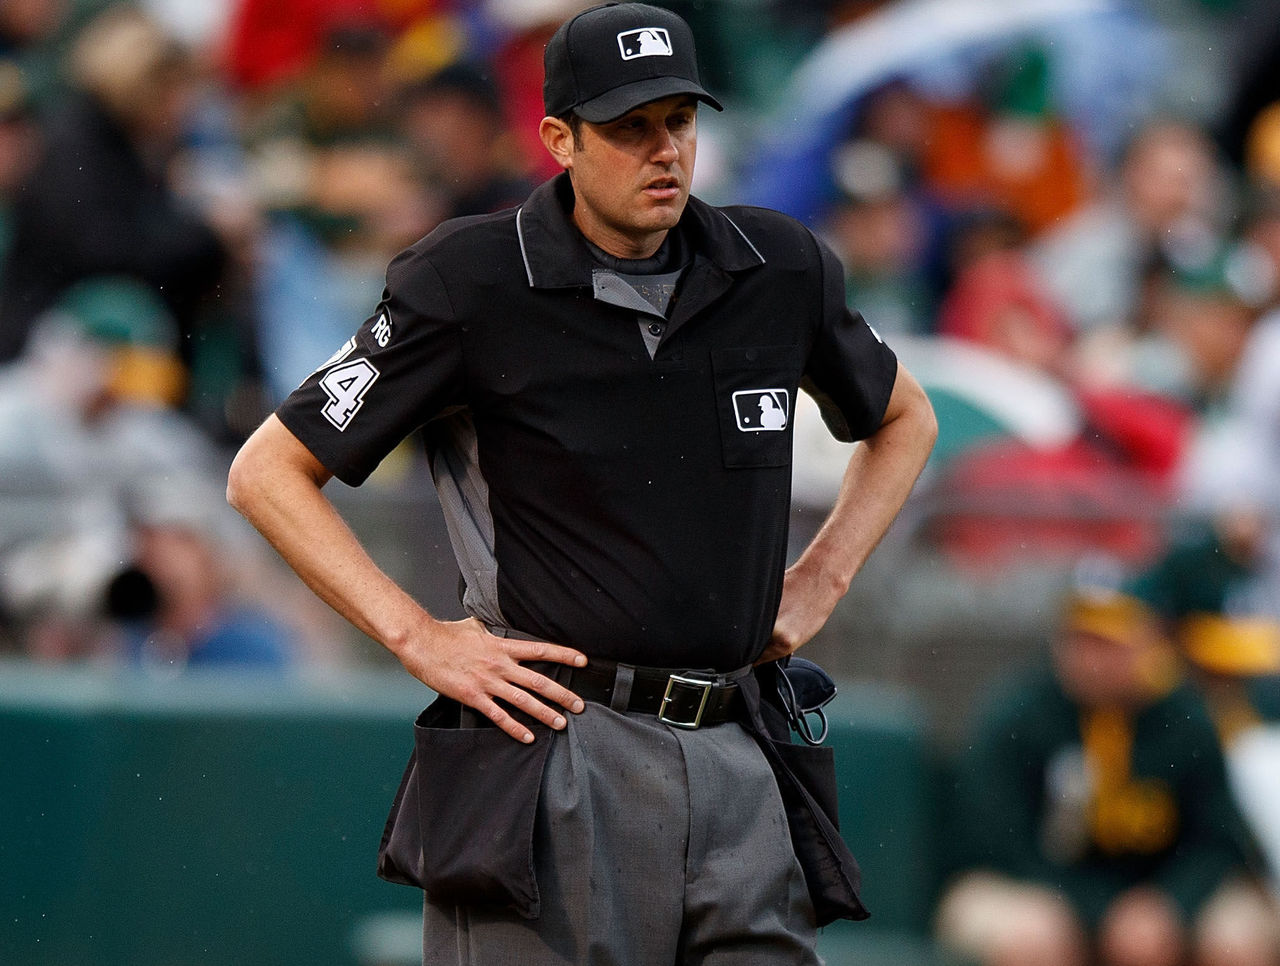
631	505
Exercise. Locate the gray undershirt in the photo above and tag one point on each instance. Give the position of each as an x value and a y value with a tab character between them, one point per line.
650	285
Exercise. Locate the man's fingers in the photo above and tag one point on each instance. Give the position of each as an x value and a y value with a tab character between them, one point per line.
544	651
550	689
507	723
515	696
496	677
520	698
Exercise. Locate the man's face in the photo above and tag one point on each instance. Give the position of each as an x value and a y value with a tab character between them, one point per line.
631	176
1102	672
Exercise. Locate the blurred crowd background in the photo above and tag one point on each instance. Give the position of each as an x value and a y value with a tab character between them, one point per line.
1063	214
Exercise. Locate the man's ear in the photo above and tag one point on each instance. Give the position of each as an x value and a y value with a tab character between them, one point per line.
557	137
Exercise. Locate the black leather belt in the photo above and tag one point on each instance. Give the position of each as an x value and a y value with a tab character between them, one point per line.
679	697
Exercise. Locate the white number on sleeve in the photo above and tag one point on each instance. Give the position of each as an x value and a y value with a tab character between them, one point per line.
345	386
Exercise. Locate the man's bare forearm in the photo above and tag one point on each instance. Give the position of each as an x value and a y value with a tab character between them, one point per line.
875	486
275	482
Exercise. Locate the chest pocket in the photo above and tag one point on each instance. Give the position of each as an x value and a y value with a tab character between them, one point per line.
755	400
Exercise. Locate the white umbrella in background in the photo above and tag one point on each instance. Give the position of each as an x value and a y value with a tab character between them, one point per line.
1105	59
1018	400
978	396
906	36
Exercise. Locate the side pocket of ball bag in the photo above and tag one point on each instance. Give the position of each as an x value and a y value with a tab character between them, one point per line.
461	825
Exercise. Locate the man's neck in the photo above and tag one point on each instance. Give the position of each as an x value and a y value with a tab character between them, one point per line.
615	243
662	260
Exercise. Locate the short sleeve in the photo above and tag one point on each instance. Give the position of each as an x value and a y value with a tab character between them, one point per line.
402	368
850	371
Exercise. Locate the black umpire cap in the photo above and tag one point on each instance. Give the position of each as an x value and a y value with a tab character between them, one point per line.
607	60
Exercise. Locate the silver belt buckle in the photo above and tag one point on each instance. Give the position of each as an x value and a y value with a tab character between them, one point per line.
680	681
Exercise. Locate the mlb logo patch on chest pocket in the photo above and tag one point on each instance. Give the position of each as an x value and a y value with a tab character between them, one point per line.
761	410
755	390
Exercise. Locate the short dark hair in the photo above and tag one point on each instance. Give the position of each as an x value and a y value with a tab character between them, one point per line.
575	125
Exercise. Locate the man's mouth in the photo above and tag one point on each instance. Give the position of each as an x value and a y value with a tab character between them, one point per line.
663	187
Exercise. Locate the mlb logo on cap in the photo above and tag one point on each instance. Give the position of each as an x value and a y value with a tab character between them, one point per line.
610	59
646	42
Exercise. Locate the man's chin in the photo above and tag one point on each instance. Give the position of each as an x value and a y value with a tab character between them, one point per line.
663	217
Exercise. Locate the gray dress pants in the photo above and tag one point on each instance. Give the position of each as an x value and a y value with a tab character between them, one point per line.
653	846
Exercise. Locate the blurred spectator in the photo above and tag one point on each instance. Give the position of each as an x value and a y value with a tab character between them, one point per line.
18	146
1094	822
1007	148
1259	238
975	233
1236	664
1253	85
885	221
525	27
1213	564
341	95
29	35
998	302
1138	355
85	413
1166	196
880	231
1210	306
181	602
901	236
98	200
453	122
899	117
272	42
342	196
100	476
1230	478
1194	313
1211	586
1252	402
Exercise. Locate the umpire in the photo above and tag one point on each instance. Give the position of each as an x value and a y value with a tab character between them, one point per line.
606	378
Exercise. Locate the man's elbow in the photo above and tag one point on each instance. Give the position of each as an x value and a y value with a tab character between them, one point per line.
249	470
271	467
915	409
241	481
928	422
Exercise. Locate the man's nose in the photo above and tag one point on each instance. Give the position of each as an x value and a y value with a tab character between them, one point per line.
664	147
